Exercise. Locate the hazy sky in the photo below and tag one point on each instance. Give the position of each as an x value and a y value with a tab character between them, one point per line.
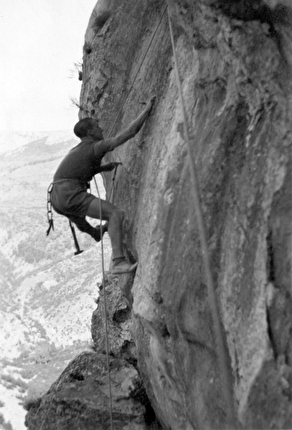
40	40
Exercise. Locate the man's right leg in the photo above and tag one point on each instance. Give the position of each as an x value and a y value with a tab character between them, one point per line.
114	217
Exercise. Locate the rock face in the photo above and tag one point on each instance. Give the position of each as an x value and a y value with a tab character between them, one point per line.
235	65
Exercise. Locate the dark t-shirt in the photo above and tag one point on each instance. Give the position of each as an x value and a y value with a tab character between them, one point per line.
84	160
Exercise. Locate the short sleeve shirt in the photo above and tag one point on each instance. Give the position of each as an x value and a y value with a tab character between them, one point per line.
84	160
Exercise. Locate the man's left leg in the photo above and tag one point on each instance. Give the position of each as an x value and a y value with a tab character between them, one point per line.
85	227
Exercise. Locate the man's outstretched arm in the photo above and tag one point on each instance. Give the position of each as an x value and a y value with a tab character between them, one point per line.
131	131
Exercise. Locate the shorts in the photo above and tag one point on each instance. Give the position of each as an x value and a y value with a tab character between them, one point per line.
70	198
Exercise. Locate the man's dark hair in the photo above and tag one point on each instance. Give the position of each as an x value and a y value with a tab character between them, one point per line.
83	126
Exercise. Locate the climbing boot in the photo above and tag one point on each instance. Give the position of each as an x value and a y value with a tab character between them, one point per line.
96	234
123	267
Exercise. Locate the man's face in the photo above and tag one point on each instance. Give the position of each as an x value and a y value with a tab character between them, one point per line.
96	131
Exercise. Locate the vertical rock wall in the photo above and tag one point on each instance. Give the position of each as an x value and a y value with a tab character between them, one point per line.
235	64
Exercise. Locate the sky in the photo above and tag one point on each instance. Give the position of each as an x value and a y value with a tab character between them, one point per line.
40	40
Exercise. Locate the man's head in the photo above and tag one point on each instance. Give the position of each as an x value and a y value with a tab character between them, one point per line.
88	127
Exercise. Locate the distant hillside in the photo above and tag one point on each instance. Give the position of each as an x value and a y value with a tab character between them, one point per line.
46	293
11	140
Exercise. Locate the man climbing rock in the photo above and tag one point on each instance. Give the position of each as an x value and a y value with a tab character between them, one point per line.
69	196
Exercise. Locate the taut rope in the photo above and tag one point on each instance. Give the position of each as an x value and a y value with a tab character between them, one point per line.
217	325
143	56
105	309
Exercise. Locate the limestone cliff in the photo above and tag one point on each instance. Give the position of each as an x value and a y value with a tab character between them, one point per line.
235	60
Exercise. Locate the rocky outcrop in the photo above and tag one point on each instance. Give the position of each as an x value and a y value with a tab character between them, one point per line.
235	65
80	398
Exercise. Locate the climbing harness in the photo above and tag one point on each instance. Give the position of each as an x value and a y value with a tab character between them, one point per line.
226	377
105	307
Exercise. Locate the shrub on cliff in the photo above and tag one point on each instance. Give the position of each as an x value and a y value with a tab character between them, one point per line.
31	402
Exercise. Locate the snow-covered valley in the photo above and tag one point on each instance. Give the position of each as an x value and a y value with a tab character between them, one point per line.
47	294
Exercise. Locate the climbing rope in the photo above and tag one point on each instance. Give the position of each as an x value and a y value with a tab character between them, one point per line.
105	309
143	56
110	199
225	372
111	196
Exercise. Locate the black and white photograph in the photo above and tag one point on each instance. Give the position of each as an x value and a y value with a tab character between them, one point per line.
146	215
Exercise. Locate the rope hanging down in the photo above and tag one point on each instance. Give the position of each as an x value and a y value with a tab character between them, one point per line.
105	310
217	325
143	56
111	196
100	214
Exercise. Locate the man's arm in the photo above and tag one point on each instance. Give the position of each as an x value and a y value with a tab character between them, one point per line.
112	143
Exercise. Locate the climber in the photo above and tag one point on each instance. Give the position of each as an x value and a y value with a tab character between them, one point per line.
69	196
